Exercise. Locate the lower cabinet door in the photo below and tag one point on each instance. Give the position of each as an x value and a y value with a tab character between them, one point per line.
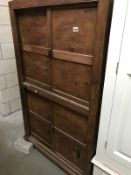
59	128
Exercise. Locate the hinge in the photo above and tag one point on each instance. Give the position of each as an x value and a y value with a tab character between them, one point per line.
117	67
105	144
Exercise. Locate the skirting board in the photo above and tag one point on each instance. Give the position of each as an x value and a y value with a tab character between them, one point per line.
103	167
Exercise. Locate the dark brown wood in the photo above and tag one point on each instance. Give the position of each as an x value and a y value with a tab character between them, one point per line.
64	120
70	149
73	57
34	65
61	48
20	4
35	49
67	79
62	30
40	128
33	22
58	99
39	105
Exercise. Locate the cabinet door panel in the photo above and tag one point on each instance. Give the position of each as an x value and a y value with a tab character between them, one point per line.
39	105
36	67
70	122
39	128
70	149
33	27
72	78
73	30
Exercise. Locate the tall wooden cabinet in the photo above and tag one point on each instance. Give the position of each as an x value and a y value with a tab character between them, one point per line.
61	52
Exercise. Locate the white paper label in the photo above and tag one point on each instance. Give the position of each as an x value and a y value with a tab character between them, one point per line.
75	29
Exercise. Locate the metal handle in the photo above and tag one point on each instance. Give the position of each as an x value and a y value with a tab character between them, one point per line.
50	52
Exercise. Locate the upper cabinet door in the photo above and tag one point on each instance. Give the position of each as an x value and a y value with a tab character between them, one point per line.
33	30
119	138
73	41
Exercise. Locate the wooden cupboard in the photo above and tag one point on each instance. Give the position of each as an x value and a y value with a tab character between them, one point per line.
61	53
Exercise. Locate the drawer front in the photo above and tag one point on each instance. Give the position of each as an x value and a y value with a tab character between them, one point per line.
39	105
69	149
39	128
70	122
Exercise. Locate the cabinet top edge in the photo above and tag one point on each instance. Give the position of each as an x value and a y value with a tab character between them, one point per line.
20	4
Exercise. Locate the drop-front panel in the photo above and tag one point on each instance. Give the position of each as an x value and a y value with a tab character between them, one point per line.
60	52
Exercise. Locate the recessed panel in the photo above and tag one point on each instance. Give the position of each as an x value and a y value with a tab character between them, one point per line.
74	30
36	67
70	149
39	105
72	78
33	26
39	128
70	122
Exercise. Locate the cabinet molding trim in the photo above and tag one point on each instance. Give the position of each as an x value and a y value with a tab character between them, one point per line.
103	167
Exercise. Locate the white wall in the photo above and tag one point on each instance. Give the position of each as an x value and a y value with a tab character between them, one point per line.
9	90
